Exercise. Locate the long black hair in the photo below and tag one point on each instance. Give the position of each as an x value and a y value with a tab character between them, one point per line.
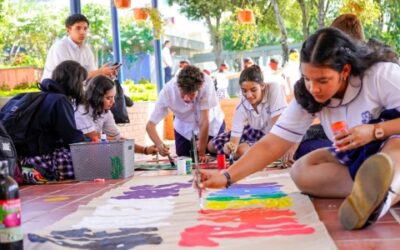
332	48
70	76
98	87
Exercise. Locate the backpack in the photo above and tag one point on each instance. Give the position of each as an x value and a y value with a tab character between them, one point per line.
17	114
7	150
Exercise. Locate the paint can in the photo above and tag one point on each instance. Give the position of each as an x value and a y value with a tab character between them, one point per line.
221	161
189	166
181	167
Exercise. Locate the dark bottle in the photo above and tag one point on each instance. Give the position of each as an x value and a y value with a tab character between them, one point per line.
11	237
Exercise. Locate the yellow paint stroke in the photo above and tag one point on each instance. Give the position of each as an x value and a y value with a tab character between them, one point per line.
57	199
283	202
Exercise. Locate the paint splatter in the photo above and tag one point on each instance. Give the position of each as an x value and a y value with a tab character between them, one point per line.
125	238
57	199
150	191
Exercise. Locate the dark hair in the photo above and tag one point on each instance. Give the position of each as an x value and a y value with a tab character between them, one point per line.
75	18
253	74
351	25
330	47
383	49
166	42
70	76
98	87
190	79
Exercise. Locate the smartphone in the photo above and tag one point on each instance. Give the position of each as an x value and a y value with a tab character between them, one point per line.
117	64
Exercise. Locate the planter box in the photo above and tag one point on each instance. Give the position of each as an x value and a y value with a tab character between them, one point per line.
14	76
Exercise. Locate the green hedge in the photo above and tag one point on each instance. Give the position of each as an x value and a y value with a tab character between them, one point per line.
144	90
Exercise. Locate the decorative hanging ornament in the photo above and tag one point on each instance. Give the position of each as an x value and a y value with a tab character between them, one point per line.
246	16
140	14
122	4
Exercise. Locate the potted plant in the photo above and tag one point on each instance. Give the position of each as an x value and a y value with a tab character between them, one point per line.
156	20
122	4
245	16
140	14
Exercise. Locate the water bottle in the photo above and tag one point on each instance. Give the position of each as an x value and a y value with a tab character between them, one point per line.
11	237
103	138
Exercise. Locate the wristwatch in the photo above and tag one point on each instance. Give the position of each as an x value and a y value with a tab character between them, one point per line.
379	133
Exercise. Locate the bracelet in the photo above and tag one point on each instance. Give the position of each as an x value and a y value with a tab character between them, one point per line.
228	179
145	150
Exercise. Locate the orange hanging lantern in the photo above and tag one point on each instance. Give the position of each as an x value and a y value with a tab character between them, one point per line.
245	16
140	14
122	4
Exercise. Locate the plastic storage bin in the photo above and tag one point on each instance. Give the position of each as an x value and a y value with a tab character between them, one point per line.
108	160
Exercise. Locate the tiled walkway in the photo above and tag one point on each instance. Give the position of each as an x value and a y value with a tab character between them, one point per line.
45	204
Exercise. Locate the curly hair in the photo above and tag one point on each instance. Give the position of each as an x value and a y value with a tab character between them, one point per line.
332	48
70	75
98	87
190	79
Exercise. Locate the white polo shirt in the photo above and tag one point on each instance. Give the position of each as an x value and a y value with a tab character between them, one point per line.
104	124
363	101
65	49
166	57
272	104
187	116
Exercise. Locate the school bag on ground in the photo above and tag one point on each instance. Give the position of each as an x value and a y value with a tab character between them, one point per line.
16	117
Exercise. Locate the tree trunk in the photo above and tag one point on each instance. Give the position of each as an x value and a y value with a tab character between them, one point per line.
321	14
216	40
283	40
304	14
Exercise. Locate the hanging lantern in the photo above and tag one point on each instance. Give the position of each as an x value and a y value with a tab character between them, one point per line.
122	4
245	16
140	14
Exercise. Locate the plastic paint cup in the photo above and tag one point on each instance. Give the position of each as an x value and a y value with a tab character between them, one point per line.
181	167
338	127
221	161
188	166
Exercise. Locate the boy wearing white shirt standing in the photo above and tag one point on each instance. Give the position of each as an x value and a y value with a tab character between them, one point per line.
191	97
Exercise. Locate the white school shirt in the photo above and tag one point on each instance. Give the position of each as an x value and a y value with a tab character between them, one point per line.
66	49
166	57
272	104
187	116
363	101
104	123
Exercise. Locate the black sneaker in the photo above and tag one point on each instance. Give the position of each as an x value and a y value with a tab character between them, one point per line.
366	201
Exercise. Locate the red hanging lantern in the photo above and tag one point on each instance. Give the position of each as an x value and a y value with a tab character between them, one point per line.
122	4
140	14
245	16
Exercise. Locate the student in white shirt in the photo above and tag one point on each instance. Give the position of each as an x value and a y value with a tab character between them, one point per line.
341	81
95	118
259	108
191	97
167	60
73	47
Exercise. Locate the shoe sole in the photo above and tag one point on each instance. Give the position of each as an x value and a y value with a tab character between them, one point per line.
371	185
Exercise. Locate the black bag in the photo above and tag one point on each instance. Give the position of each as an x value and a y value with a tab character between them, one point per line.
119	109
7	150
17	115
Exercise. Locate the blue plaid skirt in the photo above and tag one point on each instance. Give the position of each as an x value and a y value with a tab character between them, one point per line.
249	136
354	158
53	166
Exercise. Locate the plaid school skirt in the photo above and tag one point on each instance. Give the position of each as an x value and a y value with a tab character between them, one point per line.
47	167
354	158
249	136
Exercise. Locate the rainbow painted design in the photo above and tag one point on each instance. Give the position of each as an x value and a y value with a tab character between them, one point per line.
260	210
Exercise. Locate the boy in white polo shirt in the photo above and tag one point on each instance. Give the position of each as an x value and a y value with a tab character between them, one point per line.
191	97
73	47
341	81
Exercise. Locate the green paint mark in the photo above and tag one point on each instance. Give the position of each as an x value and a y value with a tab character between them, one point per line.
263	196
117	167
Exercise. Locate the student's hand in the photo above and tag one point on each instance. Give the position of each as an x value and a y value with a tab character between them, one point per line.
203	158
162	150
355	137
212	179
229	148
151	150
108	70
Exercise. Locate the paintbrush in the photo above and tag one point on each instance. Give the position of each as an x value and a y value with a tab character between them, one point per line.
197	176
231	160
171	161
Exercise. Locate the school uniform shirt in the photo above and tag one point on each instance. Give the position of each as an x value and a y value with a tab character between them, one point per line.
166	57
104	123
66	49
364	99
187	115
272	104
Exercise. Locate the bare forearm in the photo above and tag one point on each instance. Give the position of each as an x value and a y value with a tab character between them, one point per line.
264	152
152	132
203	136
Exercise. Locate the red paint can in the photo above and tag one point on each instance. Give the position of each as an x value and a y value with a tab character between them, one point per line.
221	161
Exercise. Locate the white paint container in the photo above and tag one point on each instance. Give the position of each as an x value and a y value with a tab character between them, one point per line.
181	167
